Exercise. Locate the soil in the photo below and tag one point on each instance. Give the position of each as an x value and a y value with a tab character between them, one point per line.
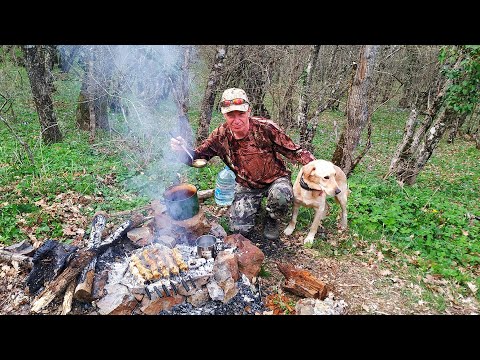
365	283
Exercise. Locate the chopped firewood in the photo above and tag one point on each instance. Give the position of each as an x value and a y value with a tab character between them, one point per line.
68	298
81	259
83	291
302	283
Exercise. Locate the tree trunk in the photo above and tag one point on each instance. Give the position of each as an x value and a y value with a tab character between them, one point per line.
456	126
255	79
305	96
417	147
408	84
210	93
41	84
181	92
409	173
96	79
358	113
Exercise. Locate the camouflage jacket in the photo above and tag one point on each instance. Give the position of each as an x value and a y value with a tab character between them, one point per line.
256	159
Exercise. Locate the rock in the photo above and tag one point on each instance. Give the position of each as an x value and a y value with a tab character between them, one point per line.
250	257
199	298
154	306
218	231
141	236
166	240
215	291
118	301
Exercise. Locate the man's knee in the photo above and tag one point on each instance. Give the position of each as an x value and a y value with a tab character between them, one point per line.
280	199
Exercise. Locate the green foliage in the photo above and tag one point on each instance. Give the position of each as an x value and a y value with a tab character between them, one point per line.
464	93
264	273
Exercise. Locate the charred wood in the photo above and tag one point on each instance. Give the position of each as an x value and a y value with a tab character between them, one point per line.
81	259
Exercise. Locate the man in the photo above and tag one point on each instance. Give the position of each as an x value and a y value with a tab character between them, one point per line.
252	148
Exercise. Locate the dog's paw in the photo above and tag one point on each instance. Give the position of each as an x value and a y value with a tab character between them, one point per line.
289	230
308	240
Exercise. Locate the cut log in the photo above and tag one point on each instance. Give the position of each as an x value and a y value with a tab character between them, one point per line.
81	259
83	291
302	283
7	256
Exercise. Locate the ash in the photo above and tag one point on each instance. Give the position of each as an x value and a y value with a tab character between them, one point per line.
247	302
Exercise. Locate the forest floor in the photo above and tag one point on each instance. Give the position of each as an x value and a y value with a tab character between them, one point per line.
365	280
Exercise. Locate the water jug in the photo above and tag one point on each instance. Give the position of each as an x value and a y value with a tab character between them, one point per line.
225	187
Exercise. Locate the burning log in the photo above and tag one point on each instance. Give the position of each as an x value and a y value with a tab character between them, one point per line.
302	283
83	291
81	259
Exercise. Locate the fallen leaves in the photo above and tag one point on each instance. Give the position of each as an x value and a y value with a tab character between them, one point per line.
280	304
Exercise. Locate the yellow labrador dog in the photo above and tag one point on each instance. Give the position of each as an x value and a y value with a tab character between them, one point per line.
314	182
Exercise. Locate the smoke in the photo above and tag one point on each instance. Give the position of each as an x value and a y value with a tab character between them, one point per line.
142	88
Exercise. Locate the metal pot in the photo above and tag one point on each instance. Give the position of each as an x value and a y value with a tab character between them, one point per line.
206	246
181	201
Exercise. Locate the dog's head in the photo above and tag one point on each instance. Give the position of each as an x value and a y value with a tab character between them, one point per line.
320	175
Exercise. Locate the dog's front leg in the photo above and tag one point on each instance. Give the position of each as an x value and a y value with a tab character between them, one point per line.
342	224
319	215
293	222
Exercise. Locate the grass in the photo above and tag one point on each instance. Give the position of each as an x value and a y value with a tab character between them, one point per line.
425	227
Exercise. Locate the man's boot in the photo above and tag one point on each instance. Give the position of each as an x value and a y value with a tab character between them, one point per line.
271	228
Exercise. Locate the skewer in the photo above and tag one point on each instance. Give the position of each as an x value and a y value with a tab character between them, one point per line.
185	285
174	288
157	290
149	295
166	290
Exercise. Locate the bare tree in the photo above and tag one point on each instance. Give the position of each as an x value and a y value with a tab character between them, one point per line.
305	95
41	84
417	146
358	112
210	93
94	97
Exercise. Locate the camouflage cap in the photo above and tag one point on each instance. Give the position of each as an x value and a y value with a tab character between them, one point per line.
234	93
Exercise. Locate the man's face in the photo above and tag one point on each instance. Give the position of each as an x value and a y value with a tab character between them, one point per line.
238	122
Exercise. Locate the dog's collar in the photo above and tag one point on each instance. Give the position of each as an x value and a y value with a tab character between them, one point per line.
304	185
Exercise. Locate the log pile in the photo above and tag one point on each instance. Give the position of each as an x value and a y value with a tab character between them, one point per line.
83	259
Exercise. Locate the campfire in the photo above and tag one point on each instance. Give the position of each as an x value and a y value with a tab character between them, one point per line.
151	265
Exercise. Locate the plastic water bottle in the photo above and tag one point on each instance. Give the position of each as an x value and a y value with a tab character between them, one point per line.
225	187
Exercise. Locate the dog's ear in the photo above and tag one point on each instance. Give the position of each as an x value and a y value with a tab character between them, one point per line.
308	169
